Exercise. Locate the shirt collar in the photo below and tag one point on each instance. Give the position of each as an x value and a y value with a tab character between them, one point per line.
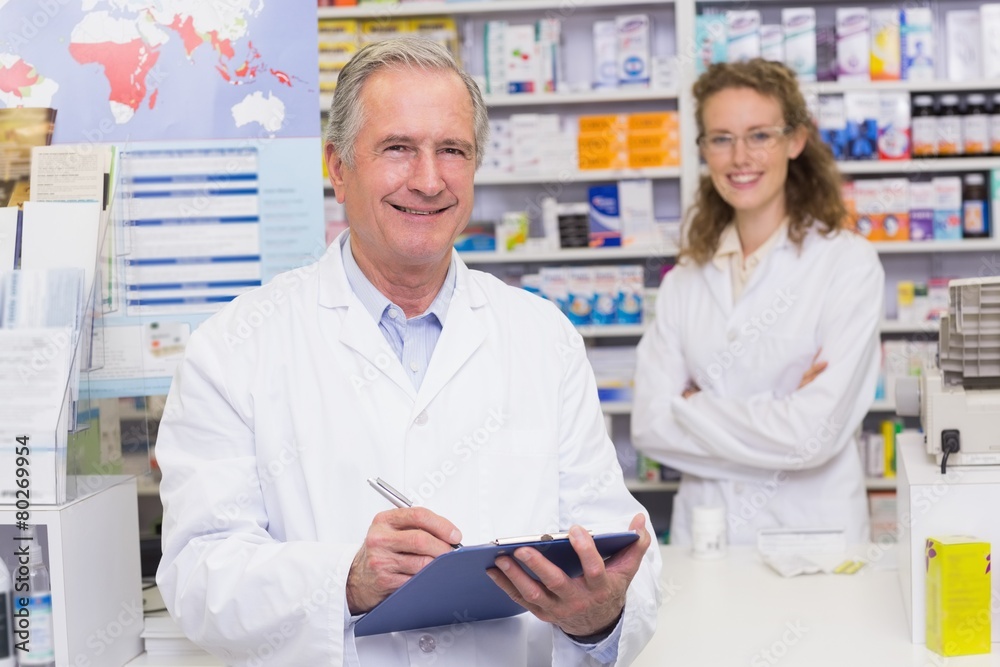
375	302
729	244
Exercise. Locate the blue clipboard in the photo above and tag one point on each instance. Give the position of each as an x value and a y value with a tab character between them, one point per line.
454	587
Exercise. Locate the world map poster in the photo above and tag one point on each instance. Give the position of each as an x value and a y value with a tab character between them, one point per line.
140	70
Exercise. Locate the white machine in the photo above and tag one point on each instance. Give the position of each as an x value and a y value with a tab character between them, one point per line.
959	401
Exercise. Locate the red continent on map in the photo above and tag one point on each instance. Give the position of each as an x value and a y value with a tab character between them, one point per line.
17	76
192	40
125	67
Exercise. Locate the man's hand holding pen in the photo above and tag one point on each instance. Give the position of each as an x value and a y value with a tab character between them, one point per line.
399	543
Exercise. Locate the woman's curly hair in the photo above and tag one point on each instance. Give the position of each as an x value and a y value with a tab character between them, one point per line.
813	188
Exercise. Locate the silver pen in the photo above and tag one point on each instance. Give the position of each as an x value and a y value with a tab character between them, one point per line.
394	496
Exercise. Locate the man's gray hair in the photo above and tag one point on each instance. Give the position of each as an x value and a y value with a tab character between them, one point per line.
347	112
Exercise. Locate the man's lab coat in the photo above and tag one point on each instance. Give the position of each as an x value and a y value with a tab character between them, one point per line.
290	398
749	440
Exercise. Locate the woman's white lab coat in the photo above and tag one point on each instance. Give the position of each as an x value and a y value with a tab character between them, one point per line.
749	440
290	398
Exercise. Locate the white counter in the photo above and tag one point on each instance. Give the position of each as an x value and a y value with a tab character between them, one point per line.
737	612
728	612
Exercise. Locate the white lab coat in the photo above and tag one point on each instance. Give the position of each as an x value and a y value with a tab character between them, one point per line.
749	440
290	398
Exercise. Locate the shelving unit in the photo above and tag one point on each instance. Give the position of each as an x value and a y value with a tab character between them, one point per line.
919	166
567	255
466	8
588	176
560	99
901	257
937	86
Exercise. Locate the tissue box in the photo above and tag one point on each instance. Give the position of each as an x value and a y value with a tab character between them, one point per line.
958	595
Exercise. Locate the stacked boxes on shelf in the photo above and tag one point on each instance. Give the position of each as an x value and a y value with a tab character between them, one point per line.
590	295
634	141
340	39
942	208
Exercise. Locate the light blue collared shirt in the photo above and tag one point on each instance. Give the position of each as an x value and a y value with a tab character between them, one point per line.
412	340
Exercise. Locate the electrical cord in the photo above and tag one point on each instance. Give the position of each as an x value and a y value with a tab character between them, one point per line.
950	444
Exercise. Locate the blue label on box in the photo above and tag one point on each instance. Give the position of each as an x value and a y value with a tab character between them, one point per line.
604	216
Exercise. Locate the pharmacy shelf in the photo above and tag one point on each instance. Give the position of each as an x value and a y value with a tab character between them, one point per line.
616	407
882	405
895	327
559	99
389	10
639	485
835	87
587	176
567	255
928	166
958	245
588	97
880	483
612	330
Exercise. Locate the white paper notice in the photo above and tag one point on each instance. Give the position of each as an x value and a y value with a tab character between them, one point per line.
146	351
34	370
60	235
68	173
8	237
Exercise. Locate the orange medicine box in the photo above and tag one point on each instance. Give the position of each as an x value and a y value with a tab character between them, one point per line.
651	141
648	159
657	121
599	124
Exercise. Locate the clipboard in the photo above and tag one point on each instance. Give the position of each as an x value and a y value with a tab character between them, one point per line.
454	587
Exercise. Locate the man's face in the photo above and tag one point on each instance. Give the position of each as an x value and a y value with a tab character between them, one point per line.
409	193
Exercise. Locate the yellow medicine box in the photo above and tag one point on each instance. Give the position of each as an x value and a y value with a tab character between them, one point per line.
958	595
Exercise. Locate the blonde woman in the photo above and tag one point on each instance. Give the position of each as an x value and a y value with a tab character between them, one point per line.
763	358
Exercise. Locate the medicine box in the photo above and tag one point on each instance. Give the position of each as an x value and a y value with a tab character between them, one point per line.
522	64
833	124
885	52
947	208
799	26
633	34
853	43
772	42
605	218
989	15
894	125
894	195
871	211
921	211
862	110
630	294
916	42
605	55
743	35
710	41
962	39
580	302
958	595
931	504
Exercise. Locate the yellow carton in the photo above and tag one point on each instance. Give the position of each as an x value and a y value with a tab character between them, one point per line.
958	595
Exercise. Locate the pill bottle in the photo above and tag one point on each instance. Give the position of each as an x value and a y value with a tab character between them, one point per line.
975	207
949	126
975	125
924	127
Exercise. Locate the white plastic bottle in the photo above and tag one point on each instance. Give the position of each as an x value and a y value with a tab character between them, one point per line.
41	640
6	617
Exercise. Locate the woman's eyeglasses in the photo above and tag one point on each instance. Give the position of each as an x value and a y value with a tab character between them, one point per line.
761	139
